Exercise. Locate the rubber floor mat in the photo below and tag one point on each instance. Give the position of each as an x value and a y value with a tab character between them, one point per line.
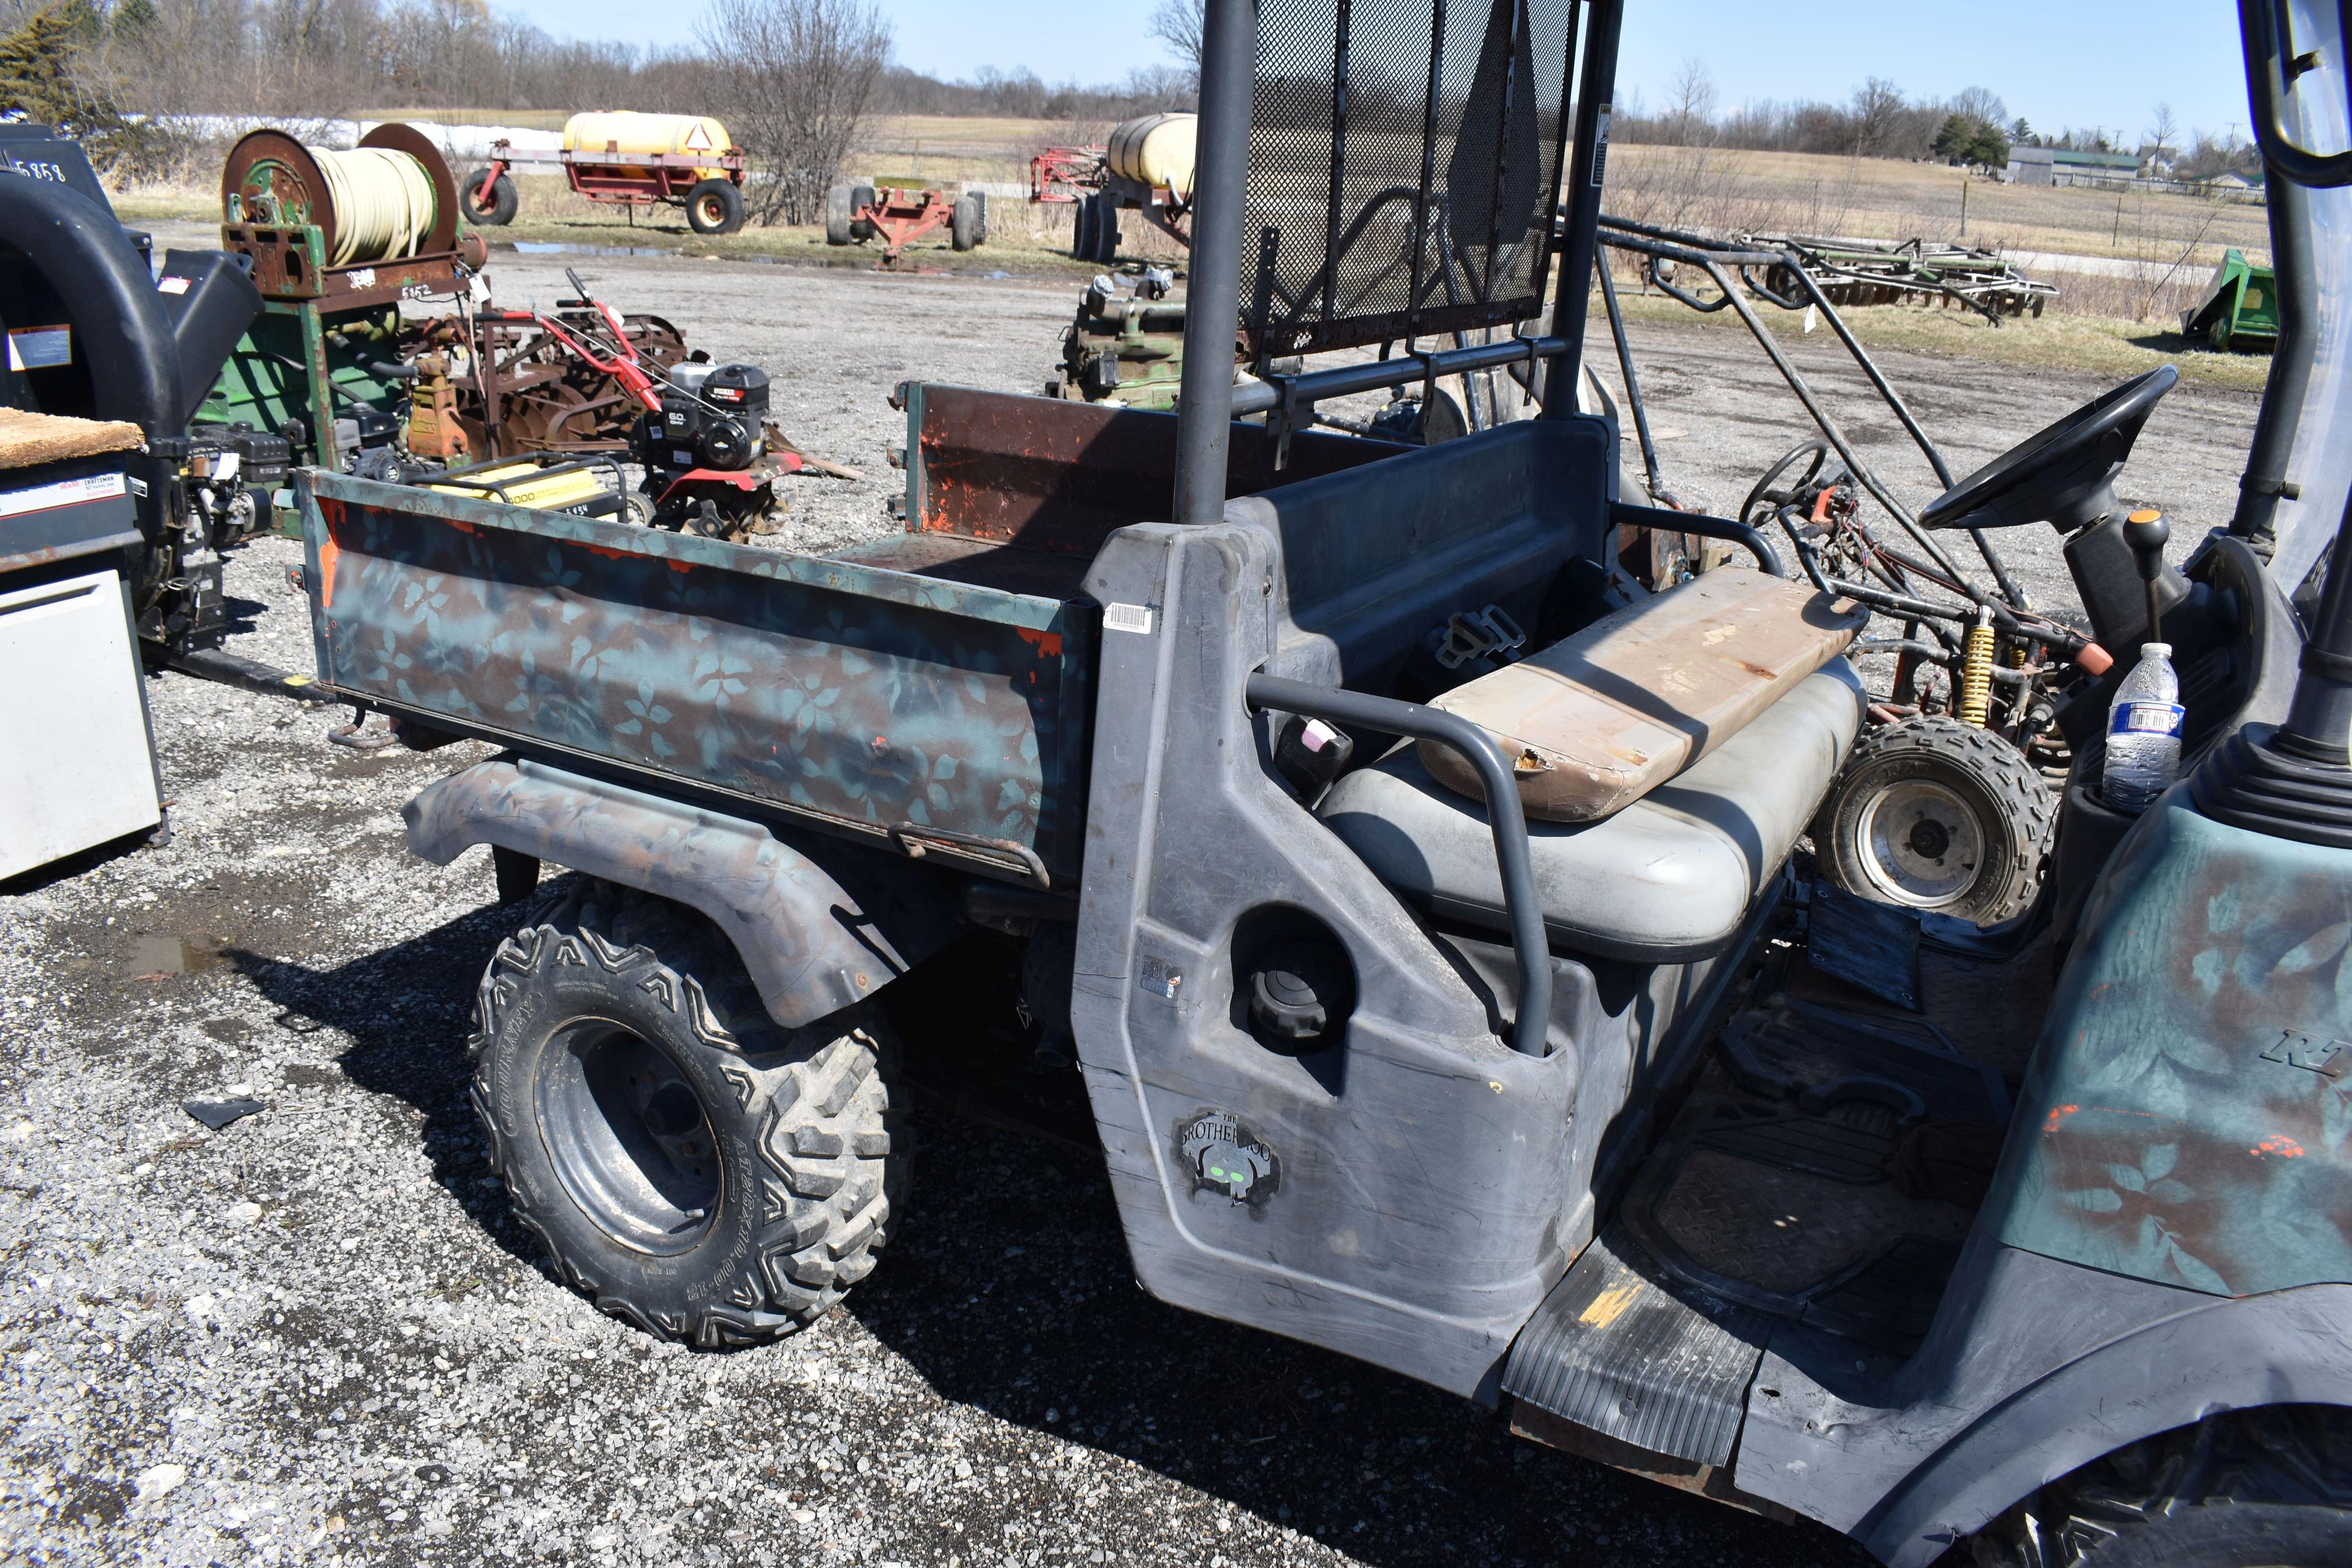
1617	1348
1819	1055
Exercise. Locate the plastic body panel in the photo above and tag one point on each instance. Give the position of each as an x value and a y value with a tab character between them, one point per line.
2185	1120
1419	1187
820	926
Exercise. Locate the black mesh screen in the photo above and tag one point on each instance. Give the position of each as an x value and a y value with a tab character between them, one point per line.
1392	194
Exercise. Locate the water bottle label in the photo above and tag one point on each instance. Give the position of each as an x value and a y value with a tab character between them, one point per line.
2146	719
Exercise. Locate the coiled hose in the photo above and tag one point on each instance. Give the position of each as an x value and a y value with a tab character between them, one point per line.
383	203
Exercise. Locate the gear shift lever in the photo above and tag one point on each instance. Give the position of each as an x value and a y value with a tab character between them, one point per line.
2145	531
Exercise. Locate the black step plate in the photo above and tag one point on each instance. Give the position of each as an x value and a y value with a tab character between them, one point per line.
1616	1348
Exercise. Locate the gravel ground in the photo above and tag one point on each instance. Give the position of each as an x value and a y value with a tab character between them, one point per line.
318	1335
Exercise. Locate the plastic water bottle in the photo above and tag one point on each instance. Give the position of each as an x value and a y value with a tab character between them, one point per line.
2143	732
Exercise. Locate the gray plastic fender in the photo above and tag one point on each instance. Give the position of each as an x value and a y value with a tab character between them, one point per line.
811	947
2290	1347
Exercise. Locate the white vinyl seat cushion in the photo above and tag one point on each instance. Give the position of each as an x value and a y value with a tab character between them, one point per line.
1669	877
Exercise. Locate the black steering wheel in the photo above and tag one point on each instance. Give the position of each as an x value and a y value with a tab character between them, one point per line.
2064	475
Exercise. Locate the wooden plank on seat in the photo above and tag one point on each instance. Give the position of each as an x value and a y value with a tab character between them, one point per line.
1597	720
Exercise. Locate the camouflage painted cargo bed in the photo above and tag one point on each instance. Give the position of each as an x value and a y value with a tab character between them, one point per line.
930	702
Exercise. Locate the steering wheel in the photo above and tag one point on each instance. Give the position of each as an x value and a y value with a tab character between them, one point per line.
1768	493
2064	475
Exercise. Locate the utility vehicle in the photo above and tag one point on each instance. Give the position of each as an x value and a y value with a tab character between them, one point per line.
1420	905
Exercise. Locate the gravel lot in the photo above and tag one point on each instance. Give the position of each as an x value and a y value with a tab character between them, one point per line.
317	1336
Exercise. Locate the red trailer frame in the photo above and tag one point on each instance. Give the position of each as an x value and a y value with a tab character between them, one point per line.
605	176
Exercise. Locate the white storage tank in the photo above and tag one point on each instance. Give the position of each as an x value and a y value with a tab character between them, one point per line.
1157	149
626	131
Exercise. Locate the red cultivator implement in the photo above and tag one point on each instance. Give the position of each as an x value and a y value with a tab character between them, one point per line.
1067	174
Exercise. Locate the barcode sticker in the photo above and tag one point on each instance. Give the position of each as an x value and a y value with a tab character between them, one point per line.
1128	619
2148	718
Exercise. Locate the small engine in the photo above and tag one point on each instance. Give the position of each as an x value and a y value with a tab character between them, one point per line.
224	477
711	418
706	454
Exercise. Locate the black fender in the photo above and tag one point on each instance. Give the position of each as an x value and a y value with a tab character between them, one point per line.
811	946
2288	1347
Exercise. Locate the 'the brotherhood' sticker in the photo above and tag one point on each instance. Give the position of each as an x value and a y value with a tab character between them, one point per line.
1225	1156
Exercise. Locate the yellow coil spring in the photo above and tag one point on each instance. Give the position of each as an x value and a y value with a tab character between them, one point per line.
1976	674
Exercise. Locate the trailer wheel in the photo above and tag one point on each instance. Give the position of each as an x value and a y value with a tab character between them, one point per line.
1932	814
836	215
692	1167
500	209
860	198
1106	230
1082	230
714	206
963	225
2254	1486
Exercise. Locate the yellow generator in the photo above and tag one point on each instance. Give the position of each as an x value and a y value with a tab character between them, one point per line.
632	160
590	487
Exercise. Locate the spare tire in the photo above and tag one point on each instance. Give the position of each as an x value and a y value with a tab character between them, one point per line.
1933	815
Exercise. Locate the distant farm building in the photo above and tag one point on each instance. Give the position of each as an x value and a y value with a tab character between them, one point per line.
2064	166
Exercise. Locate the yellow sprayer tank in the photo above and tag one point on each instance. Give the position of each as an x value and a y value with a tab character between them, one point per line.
626	131
1157	149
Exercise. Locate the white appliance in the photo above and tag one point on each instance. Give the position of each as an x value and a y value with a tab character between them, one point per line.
77	768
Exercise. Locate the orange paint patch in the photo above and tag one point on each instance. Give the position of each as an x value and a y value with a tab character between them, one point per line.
2279	1144
2059	1116
328	553
1047	643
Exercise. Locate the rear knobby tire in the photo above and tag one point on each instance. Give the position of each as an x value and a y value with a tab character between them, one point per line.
1933	815
498	210
2245	1490
838	212
714	206
692	1167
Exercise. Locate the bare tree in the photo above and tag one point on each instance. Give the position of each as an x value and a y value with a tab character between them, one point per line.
2163	129
1981	103
1878	105
1690	104
1178	24
795	76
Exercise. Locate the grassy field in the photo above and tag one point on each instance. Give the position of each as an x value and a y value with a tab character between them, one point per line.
1877	198
2110	325
2096	345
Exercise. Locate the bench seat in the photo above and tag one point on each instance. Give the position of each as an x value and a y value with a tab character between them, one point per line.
1667	877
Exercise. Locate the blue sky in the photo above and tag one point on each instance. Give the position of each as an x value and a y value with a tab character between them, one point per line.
2058	62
